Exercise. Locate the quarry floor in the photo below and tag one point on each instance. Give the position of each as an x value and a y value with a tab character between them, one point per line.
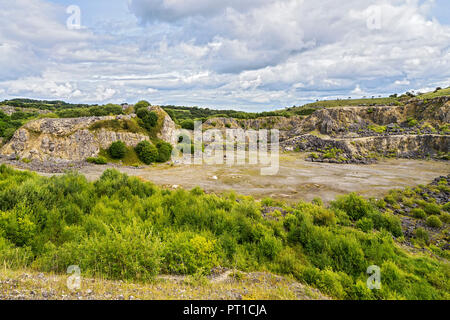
296	179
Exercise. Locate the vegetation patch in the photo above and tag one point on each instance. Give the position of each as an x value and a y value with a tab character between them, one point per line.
119	227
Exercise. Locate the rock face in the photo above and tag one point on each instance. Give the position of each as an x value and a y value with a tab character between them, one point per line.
276	122
418	129
339	120
168	128
66	139
403	146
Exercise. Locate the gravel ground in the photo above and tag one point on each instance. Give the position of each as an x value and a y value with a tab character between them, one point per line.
224	285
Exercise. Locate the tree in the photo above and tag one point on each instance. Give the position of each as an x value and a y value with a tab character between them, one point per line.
146	152
164	151
149	118
141	105
188	124
117	150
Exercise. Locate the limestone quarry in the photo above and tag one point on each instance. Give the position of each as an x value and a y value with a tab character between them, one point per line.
76	139
356	134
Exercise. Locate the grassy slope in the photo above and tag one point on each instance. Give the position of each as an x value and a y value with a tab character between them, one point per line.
122	228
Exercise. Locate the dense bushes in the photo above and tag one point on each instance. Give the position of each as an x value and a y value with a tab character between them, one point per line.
164	151
98	111
8	126
97	160
122	228
117	150
434	222
149	118
187	124
141	105
146	152
149	153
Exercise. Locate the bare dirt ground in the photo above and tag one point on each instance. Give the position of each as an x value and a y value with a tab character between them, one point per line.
296	179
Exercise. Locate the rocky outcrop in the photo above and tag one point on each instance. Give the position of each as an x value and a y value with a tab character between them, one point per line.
364	150
280	123
167	128
74	139
341	120
66	139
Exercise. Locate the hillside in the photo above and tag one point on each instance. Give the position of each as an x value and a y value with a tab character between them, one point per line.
121	228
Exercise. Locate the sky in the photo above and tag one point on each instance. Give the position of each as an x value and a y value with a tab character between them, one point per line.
251	55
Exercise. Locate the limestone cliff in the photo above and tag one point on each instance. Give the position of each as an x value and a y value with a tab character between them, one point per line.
76	139
166	126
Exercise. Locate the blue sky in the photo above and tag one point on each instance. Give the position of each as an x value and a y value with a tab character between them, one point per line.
250	55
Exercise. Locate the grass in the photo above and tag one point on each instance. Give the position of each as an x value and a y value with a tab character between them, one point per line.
130	158
435	94
119	125
353	102
377	128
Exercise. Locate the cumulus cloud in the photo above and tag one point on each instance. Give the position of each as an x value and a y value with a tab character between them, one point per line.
262	53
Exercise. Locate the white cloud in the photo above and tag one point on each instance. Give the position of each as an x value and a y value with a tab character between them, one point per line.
268	53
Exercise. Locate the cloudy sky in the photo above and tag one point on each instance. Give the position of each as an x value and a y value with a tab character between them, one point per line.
244	54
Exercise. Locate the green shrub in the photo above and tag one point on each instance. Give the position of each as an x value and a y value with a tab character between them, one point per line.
141	104
445	217
149	118
187	124
146	152
434	222
187	253
432	208
119	227
418	213
355	206
422	235
365	224
324	217
98	160
446	207
164	151
117	150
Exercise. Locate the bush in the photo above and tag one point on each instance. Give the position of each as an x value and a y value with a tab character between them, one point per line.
434	222
445	217
418	213
187	253
422	235
146	152
355	206
432	208
164	151
324	217
141	104
365	224
188	124
98	160
117	150
149	118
